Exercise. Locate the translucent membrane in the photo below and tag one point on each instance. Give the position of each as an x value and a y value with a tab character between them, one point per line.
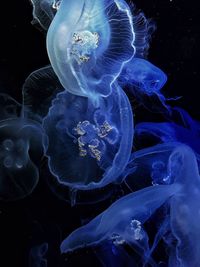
127	216
92	145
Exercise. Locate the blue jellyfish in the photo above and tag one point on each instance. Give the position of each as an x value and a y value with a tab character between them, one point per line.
145	82
88	43
107	38
93	117
89	126
142	75
124	221
184	208
89	147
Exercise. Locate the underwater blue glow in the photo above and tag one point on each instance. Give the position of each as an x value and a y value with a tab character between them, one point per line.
143	75
88	47
125	217
123	222
145	81
76	112
91	149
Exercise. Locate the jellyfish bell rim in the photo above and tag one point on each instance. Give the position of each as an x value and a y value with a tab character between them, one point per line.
92	185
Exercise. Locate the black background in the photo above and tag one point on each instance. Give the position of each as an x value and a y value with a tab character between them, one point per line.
174	48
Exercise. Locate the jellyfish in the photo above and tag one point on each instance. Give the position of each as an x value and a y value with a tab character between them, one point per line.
21	147
88	147
184	208
142	74
145	82
100	42
124	221
84	122
132	207
93	117
102	39
88	42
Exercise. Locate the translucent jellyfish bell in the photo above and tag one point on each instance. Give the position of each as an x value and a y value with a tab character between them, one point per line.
144	75
182	232
122	221
145	81
20	150
88	146
88	43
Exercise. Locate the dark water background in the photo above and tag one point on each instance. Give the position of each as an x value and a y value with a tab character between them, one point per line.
42	217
